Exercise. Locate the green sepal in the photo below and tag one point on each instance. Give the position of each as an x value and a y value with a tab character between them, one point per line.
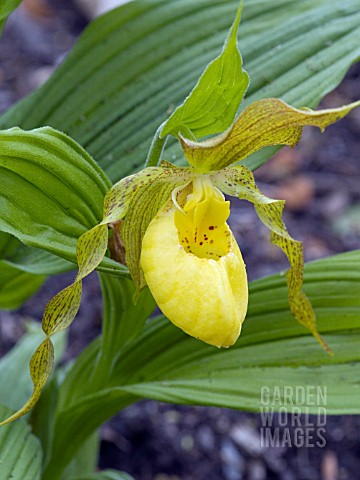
239	182
118	198
212	105
264	123
145	204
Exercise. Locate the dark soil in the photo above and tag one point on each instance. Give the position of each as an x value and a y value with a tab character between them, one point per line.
319	179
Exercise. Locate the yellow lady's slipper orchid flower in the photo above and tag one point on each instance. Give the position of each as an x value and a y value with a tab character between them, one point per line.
194	268
195	272
173	220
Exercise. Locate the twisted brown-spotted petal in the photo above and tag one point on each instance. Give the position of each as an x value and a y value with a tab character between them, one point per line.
91	247
239	181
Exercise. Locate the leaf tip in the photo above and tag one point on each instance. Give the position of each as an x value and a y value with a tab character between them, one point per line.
232	36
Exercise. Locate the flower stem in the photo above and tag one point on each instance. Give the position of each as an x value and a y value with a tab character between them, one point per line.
156	148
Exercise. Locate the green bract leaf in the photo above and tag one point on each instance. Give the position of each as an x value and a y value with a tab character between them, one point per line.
211	106
239	182
20	451
264	123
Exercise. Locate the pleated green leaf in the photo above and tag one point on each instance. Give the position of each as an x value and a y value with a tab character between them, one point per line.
86	386
16	286
51	192
31	260
20	451
120	325
36	261
85	461
165	364
135	63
